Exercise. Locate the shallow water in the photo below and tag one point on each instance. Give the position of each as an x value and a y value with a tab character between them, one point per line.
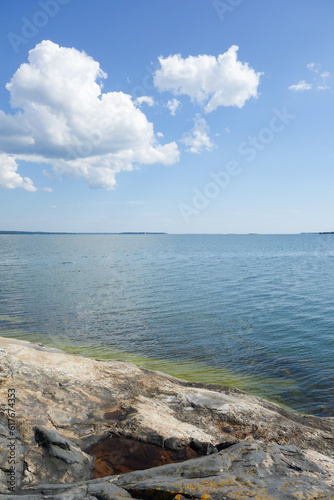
255	312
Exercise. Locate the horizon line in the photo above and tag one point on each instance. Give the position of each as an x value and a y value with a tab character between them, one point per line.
15	232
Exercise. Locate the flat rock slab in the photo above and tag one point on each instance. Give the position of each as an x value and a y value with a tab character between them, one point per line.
246	470
56	407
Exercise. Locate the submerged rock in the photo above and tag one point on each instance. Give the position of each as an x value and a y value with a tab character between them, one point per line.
117	455
62	407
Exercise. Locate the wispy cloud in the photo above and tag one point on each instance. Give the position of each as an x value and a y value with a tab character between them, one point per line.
173	105
145	100
319	79
197	138
301	86
134	202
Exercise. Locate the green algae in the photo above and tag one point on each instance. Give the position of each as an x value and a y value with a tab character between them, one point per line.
11	319
189	370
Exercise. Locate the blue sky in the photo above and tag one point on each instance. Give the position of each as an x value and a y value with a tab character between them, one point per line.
197	116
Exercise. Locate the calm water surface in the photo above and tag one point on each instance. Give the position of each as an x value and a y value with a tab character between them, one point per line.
252	311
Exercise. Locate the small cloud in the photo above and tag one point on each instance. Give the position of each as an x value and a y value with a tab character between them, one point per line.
145	100
301	86
47	190
227	130
173	105
322	87
54	206
197	138
323	77
160	135
319	79
209	81
48	174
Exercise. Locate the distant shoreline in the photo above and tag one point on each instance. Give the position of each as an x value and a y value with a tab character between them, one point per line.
42	233
64	233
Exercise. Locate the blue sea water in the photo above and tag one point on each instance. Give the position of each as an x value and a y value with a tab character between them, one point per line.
255	311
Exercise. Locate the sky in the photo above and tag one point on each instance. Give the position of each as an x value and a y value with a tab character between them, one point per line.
192	116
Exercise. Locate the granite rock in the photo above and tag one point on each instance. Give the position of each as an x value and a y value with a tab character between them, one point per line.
245	470
66	404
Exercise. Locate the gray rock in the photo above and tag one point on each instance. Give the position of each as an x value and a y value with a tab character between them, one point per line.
204	448
245	470
253	470
12	452
107	491
61	458
66	404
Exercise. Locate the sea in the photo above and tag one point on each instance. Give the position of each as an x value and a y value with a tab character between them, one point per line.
254	312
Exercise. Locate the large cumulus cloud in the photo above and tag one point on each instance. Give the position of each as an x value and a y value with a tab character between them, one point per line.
64	119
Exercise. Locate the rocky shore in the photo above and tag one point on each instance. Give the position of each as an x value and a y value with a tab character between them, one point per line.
79	429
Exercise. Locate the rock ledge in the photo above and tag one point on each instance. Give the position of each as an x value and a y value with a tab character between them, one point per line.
56	409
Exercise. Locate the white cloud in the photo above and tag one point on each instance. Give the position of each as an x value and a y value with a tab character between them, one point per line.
9	177
63	119
322	86
173	105
145	99
319	79
197	138
207	80
300	86
47	190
